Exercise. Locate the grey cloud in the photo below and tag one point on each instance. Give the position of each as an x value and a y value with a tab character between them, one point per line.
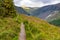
44	1
17	1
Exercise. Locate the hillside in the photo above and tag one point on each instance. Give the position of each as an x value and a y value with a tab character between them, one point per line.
21	10
36	29
45	11
40	12
54	18
50	13
55	22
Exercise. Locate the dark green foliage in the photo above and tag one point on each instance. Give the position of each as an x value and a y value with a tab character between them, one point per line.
55	22
7	8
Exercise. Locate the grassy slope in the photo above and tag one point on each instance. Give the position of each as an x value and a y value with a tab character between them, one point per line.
36	29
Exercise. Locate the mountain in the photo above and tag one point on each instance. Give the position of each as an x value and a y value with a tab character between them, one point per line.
36	29
46	11
31	9
25	10
54	18
21	10
40	12
49	13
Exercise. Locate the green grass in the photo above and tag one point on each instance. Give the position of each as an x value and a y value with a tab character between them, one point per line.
9	29
36	29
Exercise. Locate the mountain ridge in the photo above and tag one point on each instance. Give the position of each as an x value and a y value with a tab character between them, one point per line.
42	12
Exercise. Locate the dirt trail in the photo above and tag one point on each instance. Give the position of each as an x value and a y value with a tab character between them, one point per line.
22	34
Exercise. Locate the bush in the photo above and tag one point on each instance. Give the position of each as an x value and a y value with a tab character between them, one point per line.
7	8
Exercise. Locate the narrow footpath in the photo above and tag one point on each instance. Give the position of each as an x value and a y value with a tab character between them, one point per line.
22	34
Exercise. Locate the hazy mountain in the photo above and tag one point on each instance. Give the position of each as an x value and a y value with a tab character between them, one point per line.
42	12
26	10
46	11
21	10
55	15
54	18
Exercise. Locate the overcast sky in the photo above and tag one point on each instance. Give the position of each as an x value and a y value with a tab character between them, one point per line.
35	3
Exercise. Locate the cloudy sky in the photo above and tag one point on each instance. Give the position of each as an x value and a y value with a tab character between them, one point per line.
34	3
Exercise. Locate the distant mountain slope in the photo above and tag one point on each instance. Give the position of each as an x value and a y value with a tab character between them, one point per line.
55	22
48	13
54	18
36	29
46	10
26	10
42	12
21	10
31	9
